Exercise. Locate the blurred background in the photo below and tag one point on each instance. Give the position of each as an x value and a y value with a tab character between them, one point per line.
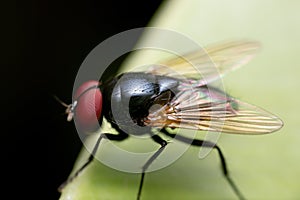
44	43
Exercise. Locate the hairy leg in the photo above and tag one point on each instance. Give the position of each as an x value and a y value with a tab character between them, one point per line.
203	143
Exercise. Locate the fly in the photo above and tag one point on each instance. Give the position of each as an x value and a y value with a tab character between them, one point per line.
187	103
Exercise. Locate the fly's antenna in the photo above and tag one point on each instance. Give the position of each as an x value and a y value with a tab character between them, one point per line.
69	108
60	101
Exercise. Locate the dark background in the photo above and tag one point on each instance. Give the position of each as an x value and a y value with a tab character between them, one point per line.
44	43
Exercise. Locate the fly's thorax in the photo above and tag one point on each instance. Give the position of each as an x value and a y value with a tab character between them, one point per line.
131	97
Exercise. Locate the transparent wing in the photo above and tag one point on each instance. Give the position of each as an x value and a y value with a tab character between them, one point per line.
211	110
211	63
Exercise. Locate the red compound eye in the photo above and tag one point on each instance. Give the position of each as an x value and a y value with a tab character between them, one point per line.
88	106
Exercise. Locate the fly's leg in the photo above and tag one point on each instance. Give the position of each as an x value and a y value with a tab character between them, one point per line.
203	143
163	144
116	137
